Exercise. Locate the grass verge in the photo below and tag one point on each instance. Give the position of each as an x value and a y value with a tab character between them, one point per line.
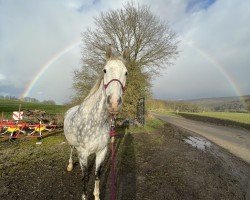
215	119
236	117
152	124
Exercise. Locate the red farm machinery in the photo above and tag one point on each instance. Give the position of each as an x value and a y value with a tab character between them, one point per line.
29	124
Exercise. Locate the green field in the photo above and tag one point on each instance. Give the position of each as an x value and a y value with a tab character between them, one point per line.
8	106
232	116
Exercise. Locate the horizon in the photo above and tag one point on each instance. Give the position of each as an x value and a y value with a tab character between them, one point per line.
203	98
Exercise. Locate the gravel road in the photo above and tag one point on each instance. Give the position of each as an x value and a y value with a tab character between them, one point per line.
236	141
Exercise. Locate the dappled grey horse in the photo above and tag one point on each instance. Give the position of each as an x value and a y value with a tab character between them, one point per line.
86	126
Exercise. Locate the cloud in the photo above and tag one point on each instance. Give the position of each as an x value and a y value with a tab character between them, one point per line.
213	54
80	5
2	77
197	5
10	90
27	43
33	32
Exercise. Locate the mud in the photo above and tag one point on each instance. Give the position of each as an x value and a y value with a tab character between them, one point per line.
150	165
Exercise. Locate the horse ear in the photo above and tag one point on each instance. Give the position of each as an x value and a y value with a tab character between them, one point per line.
109	51
125	53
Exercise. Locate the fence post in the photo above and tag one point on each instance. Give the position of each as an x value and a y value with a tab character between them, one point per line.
141	110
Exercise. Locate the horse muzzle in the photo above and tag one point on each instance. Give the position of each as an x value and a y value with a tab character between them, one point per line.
114	103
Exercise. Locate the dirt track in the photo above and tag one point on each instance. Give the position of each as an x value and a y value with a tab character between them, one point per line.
234	140
150	165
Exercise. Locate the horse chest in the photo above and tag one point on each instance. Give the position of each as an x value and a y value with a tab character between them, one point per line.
91	134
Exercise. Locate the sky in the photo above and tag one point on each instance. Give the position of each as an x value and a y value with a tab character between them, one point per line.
41	46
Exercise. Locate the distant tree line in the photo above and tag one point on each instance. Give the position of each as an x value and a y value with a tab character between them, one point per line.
8	97
185	106
28	99
230	107
181	106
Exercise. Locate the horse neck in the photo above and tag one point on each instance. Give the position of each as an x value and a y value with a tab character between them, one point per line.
95	105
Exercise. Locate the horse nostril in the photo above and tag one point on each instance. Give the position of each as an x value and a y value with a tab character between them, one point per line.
108	99
119	101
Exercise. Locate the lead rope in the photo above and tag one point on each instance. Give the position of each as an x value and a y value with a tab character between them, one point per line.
112	135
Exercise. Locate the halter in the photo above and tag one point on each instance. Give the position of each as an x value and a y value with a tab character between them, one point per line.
123	87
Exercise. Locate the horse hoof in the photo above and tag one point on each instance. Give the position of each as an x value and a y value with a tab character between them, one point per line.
70	167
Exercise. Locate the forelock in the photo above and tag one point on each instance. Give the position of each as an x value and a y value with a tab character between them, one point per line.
120	58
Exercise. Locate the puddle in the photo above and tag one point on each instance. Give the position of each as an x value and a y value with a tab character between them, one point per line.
38	143
198	143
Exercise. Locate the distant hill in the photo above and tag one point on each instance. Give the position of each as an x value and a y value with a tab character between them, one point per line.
221	104
241	103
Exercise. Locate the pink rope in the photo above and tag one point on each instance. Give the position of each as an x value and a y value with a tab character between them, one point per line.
112	196
112	134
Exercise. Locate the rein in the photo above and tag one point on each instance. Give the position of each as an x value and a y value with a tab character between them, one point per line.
123	87
112	134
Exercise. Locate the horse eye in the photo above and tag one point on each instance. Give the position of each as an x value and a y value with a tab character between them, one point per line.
126	73
104	70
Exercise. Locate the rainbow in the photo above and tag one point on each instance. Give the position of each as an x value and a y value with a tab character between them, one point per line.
230	78
221	68
43	69
203	53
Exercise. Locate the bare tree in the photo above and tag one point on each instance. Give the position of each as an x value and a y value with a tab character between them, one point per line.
151	42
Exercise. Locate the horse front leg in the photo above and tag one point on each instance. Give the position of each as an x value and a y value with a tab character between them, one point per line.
84	178
100	156
83	158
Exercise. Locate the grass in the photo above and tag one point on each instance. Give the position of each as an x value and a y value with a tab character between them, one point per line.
25	154
166	112
231	116
237	117
8	106
234	119
152	124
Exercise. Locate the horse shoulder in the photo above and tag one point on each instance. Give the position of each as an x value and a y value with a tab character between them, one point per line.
69	113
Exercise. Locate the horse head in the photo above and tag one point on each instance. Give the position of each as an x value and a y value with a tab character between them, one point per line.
114	79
